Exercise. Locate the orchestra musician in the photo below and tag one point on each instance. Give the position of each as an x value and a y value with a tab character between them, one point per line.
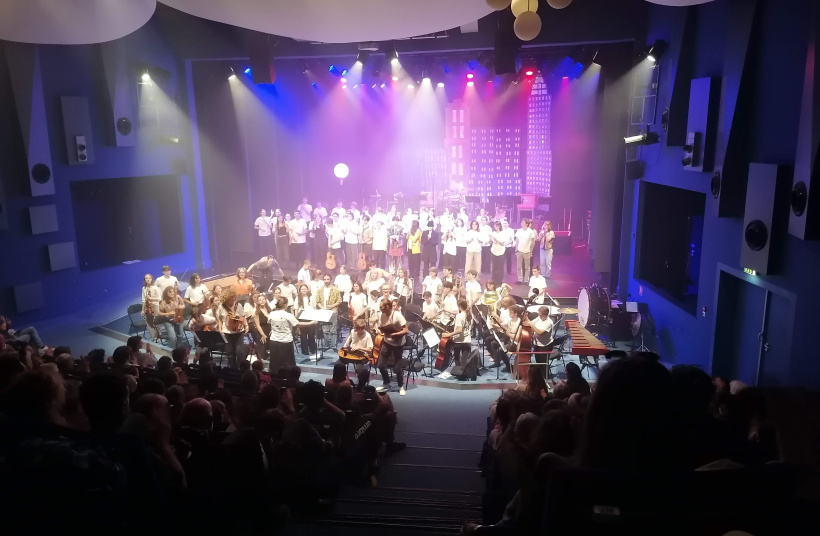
328	297
359	340
303	275
282	324
166	280
287	289
357	301
263	269
538	285
542	328
169	316
429	309
393	326
491	295
151	297
231	322
304	302
201	321
432	283
261	326
460	335
197	292
374	280
243	285
449	303
343	283
472	288
403	287
509	334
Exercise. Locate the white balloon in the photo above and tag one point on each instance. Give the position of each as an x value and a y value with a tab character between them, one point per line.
341	171
527	26
520	6
498	5
559	4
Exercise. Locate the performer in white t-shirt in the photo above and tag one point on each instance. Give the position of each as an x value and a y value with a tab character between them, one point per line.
537	282
524	244
264	227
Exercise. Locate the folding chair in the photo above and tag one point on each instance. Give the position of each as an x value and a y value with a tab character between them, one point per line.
411	344
138	324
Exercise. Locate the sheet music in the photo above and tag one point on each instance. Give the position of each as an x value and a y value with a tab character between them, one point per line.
631	307
431	338
319	315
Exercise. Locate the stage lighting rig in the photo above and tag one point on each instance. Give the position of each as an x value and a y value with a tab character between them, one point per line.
644	138
392	54
362	57
657	50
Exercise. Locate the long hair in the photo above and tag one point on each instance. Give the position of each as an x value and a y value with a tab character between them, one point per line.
464	306
300	298
146	284
168	294
193	278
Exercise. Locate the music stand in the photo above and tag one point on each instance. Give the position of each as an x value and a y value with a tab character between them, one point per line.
213	341
321	316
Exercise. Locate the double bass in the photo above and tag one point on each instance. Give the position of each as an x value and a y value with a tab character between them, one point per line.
523	360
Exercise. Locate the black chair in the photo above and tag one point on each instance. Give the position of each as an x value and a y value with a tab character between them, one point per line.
138	324
411	344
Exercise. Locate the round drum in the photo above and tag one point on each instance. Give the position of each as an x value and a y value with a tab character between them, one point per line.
593	306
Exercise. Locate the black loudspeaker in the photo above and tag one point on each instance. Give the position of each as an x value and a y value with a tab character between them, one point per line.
766	217
504	50
633	169
77	130
804	221
262	71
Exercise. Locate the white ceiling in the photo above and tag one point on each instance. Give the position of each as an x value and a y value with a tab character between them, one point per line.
74	22
338	21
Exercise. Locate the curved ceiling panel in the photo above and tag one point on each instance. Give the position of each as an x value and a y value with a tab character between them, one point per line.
76	22
679	2
338	21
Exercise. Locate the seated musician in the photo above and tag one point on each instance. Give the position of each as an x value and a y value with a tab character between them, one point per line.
509	334
491	295
374	280
243	285
539	283
430	309
201	321
170	310
374	271
359	340
460	336
432	283
542	333
449	303
197	292
357	302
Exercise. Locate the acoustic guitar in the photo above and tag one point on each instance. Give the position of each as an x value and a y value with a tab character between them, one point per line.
330	261
362	262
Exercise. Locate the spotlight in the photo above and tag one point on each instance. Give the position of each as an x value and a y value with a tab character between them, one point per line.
232	75
344	86
395	78
425	75
470	83
392	54
355	86
305	69
362	57
382	85
145	76
335	71
344	72
657	50
644	138
529	72
373	86
440	84
410	86
344	79
470	76
585	58
248	70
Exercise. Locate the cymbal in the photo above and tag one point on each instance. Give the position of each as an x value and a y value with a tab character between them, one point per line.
568	311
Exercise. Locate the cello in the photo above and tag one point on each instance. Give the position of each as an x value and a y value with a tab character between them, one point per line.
522	360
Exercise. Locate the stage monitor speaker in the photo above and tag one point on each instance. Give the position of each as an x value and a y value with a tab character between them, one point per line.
766	217
77	129
633	169
262	71
804	219
27	84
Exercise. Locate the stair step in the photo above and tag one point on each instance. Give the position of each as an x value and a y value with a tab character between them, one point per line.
449	457
430	439
399	507
446	478
460	498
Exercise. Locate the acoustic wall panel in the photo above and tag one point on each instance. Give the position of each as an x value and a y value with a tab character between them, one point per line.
77	127
43	219
120	80
27	85
765	219
704	99
28	297
62	256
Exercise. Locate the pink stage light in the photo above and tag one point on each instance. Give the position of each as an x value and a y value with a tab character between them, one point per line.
395	78
529	73
344	80
470	83
470	76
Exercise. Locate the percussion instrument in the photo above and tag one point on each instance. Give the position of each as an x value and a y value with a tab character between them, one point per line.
553	309
568	311
593	306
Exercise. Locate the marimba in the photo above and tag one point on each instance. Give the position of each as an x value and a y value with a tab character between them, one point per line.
584	343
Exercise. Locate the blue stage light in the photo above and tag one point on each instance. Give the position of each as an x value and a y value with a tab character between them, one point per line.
314	84
248	70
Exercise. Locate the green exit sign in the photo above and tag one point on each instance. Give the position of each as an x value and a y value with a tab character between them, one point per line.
749	271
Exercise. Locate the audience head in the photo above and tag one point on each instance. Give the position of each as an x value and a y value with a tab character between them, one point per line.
249	383
314	395
135	343
38	394
197	414
294	373
344	397
10	367
269	397
104	398
65	363
96	357
121	356
339	372
164	363
362	378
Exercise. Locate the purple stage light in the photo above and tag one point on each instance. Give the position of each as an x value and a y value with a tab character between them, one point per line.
470	76
382	85
440	84
344	79
470	83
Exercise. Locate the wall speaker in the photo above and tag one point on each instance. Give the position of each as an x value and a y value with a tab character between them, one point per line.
766	217
262	71
633	169
27	85
77	129
804	222
692	151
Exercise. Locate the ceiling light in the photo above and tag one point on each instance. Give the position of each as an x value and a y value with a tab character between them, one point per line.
657	50
392	54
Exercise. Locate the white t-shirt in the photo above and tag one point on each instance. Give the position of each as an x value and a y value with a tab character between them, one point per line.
362	342
358	302
304	276
496	248
370	286
163	282
207	320
473	290
430	310
380	239
461	321
460	234
432	285
540	283
403	289
321	211
395	319
196	294
473	240
281	325
338	211
484	235
262	225
526	240
288	292
344	285
306	211
352	233
250	309
334	234
448	247
223	314
299	229
509	236
450	305
545	338
549	239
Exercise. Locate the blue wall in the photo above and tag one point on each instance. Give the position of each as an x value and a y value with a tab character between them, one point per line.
773	125
77	71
